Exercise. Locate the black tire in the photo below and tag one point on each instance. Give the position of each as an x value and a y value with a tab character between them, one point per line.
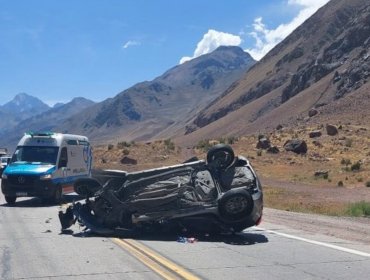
58	195
10	199
54	198
235	204
220	156
87	187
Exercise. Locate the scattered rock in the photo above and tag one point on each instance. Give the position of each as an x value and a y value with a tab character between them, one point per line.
296	145
315	133
322	173
331	130
317	143
273	150
263	143
312	112
279	127
128	160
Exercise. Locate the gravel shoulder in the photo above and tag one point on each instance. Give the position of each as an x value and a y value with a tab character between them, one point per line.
355	229
347	228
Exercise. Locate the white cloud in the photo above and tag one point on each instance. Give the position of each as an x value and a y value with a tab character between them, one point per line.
210	41
266	38
131	43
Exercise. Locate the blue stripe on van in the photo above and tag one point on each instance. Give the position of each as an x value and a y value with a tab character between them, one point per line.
69	179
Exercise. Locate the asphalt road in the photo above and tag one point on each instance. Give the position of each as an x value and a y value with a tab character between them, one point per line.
32	247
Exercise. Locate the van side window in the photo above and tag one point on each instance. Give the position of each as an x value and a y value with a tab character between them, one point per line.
63	158
72	142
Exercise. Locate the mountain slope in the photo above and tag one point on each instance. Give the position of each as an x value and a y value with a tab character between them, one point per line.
44	121
161	107
20	108
322	61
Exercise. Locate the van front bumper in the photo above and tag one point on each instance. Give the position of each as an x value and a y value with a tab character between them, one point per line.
27	186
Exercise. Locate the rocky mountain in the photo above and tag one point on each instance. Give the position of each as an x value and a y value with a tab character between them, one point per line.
324	63
44	121
161	107
20	108
24	105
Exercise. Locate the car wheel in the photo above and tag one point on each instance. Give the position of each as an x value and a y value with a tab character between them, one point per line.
220	156
235	205
10	199
58	195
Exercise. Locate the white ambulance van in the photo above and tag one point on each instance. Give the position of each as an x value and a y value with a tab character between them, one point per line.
45	165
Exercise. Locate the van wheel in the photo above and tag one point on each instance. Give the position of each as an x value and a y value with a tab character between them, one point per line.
58	195
10	199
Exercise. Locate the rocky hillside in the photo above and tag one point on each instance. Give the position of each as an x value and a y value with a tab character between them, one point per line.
323	64
159	108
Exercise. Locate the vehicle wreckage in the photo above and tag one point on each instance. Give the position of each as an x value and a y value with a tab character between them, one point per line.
221	194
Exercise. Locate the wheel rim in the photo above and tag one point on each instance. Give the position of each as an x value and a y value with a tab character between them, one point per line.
222	159
236	205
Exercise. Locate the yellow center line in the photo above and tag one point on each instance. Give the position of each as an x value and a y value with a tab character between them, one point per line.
145	260
155	261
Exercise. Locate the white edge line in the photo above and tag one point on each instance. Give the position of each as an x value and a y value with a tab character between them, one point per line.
335	247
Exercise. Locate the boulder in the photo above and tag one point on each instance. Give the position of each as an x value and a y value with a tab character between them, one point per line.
279	127
128	160
273	150
296	145
331	130
312	112
263	143
322	173
315	133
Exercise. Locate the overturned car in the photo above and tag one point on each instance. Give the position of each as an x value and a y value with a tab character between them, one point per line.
219	195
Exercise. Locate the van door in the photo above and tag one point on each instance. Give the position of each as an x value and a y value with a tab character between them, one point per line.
63	162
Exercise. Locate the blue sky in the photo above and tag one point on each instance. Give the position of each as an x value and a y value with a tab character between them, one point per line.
56	50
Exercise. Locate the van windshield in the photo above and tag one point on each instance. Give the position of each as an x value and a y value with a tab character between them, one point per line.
45	155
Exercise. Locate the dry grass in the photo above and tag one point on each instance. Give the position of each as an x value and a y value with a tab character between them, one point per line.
296	202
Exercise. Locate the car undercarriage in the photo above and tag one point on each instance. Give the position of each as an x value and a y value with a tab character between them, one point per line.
221	194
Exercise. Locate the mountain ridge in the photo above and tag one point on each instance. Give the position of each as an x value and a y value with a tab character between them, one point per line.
43	121
323	60
161	107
